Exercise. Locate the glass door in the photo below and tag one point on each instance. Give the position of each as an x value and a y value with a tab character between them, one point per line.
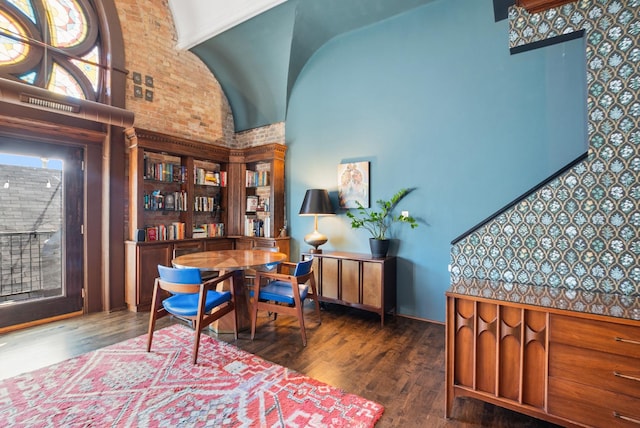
41	244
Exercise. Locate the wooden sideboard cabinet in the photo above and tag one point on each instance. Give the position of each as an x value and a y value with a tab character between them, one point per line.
356	280
569	368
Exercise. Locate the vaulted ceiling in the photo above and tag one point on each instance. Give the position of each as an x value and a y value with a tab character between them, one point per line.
258	48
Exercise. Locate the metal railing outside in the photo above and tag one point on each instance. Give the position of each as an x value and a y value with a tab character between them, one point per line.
30	265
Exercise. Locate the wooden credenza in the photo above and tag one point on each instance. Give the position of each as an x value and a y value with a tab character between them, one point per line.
570	368
356	280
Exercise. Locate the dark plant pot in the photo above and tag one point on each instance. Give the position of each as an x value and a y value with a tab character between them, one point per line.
379	247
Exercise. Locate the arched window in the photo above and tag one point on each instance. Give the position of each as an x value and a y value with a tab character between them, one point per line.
53	44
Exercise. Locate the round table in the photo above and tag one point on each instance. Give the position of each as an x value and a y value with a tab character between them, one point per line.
228	260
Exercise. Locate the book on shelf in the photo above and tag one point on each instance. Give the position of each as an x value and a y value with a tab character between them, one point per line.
211	178
162	232
206	203
206	173
199	232
258	227
151	234
257	178
209	230
163	167
168	201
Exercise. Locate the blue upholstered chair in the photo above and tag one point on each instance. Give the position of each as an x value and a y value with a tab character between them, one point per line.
285	293
182	293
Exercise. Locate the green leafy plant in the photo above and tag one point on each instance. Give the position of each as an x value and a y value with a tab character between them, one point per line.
378	222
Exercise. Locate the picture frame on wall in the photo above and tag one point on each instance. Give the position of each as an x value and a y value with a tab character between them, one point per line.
353	184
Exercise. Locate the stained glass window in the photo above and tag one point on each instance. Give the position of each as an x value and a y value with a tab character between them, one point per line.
25	7
11	51
70	27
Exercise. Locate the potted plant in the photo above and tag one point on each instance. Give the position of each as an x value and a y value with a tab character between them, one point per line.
377	223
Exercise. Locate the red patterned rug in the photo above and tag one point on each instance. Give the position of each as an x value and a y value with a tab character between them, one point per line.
124	386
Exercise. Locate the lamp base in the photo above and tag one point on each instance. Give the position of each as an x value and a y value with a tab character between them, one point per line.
315	251
315	239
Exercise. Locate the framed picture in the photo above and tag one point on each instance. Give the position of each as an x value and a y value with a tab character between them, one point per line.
353	184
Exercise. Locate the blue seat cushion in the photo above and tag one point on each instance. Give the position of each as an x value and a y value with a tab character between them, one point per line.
186	305
281	291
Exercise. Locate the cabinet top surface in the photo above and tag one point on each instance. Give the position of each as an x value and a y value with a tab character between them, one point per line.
350	256
587	302
224	260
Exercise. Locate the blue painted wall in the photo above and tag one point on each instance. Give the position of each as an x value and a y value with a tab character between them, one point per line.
432	99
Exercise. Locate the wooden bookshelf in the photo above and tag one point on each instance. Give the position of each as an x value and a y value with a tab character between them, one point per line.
201	190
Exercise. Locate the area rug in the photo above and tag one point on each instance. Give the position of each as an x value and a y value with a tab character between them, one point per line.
124	386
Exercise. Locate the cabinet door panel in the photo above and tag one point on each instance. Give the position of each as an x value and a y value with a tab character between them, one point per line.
329	278
535	359
486	347
149	259
186	247
244	244
371	280
464	343
510	347
218	244
350	281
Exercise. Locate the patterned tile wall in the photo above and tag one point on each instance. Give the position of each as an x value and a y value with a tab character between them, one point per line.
581	232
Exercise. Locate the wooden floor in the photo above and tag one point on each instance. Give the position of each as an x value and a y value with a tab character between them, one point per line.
400	366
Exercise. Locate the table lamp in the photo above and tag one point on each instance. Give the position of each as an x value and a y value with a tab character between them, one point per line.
316	202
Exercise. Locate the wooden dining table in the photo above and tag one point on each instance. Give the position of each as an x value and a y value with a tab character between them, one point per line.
224	261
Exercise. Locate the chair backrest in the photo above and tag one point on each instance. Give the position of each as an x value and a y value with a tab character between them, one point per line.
303	267
180	276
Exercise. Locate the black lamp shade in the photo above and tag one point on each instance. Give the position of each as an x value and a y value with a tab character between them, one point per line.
316	202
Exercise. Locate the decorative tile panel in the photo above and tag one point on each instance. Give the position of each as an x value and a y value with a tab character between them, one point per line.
579	234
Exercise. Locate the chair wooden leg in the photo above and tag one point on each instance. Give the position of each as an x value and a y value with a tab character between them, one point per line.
155	302
318	310
196	339
196	345
315	299
235	323
301	319
254	318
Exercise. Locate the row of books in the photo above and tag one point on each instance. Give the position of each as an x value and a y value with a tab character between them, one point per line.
163	232
209	178
167	201
257	227
160	169
206	203
209	230
257	178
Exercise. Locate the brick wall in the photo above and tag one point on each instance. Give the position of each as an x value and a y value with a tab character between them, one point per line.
187	99
273	133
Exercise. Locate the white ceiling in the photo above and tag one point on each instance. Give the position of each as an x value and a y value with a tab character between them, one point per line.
199	20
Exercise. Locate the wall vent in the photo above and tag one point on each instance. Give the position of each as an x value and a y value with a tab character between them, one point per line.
54	105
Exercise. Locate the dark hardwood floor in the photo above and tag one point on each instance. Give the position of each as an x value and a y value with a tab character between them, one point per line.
400	366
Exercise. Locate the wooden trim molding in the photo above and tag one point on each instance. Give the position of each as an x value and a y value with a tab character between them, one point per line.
535	6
